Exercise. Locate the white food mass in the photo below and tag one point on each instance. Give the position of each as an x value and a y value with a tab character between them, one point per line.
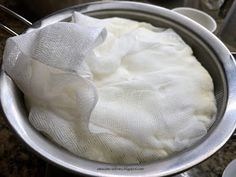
112	90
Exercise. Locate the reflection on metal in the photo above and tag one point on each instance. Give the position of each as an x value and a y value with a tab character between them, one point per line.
27	22
7	29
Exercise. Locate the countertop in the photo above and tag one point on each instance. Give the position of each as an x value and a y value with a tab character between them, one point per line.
17	161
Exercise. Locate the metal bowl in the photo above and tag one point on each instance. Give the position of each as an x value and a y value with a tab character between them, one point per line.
208	49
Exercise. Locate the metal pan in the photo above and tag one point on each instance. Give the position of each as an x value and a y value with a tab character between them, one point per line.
209	50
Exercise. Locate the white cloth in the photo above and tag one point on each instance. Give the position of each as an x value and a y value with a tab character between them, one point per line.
136	97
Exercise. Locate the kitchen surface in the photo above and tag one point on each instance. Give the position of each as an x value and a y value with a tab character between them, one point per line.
16	160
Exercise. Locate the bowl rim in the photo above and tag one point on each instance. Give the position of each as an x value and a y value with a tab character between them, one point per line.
180	10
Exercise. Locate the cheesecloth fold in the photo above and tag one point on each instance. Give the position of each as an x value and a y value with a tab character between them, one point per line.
112	90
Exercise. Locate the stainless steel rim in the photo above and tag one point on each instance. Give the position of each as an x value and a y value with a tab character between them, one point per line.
17	117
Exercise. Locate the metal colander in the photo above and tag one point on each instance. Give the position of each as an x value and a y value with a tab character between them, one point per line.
207	48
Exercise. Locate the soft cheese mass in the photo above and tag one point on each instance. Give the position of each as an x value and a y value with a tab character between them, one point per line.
137	97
